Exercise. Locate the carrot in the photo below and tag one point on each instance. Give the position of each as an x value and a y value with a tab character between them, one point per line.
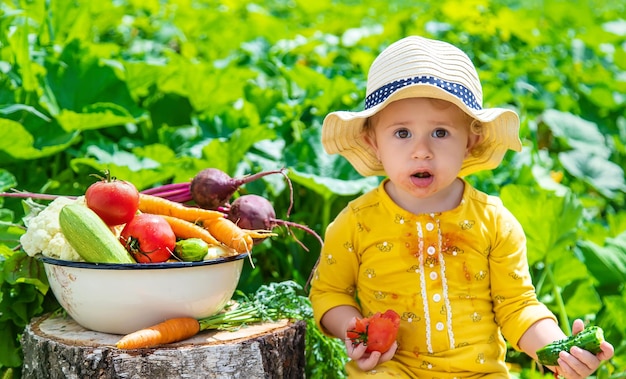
172	330
232	235
158	205
185	229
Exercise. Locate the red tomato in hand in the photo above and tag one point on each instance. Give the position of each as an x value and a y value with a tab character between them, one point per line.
378	332
115	201
148	238
359	333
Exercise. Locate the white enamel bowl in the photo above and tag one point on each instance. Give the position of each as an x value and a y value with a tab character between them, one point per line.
122	298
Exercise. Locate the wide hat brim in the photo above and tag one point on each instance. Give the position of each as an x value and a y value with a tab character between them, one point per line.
420	67
342	133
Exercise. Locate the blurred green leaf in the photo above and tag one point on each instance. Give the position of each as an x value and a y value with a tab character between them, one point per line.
20	268
9	344
227	155
7	180
616	223
602	174
576	132
582	300
615	305
17	143
329	187
78	80
95	116
137	167
549	221
326	175
606	263
567	268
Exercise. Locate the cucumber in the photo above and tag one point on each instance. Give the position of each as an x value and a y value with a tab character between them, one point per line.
92	239
588	339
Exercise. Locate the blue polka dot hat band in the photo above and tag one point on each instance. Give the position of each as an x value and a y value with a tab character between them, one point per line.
455	89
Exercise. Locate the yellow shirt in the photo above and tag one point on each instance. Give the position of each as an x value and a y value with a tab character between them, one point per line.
458	279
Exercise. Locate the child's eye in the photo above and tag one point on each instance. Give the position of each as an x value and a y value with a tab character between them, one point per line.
440	133
402	133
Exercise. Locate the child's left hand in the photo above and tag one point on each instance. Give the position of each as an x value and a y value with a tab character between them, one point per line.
579	363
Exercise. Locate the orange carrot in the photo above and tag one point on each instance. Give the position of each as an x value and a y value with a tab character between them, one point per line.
158	205
172	330
185	229
232	235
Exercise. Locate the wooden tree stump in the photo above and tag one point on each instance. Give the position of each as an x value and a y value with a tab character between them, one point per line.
57	347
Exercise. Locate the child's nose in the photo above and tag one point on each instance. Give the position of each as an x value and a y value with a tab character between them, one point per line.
422	149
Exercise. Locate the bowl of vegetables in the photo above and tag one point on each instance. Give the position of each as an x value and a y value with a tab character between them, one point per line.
119	281
118	260
121	263
122	298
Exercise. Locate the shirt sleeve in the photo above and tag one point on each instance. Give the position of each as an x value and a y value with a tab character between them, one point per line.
334	281
515	302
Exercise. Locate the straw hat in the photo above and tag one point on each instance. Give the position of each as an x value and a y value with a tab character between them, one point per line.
421	67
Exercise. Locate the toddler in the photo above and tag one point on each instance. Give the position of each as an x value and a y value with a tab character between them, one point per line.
449	259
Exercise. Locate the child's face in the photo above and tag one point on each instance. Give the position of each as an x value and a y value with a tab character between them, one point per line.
421	144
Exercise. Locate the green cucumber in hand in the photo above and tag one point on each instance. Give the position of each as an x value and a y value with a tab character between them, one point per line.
588	339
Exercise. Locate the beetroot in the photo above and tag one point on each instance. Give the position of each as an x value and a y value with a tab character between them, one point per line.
252	212
255	212
212	188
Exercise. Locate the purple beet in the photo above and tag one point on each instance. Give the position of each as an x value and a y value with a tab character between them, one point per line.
212	188
254	212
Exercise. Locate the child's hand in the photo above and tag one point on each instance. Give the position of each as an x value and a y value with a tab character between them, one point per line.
579	363
366	360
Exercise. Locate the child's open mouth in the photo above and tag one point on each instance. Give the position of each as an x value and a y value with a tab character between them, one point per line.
422	179
422	175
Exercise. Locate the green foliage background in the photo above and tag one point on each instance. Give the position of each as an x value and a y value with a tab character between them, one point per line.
157	90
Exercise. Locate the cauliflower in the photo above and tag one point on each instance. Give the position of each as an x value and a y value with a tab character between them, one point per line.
43	232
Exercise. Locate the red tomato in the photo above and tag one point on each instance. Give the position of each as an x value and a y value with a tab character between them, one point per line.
148	238
378	332
359	333
115	201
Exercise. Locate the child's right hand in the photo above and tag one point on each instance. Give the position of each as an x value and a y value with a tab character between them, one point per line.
367	360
